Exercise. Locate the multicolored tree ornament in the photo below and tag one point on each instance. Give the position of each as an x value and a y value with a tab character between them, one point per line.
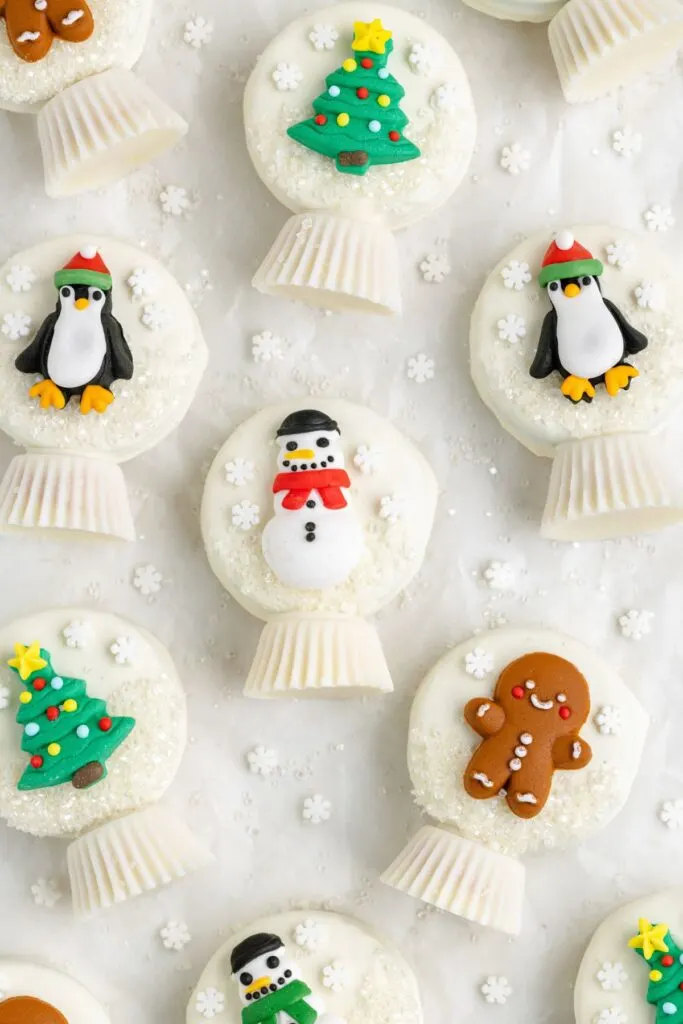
69	735
358	119
665	991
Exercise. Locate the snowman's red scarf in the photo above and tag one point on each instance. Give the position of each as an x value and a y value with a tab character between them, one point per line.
328	483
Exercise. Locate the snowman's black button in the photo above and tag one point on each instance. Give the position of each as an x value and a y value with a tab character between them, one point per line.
314	465
286	462
304	465
310	526
323	464
294	469
310	536
310	503
288	974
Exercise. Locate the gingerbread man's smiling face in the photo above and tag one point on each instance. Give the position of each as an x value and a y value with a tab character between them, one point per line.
543	691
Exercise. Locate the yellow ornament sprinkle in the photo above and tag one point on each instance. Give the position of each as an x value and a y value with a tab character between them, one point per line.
343	120
383	100
656	975
70	705
349	64
25	697
54	749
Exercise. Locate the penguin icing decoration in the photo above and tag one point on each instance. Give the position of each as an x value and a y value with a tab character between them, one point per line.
314	540
80	349
584	337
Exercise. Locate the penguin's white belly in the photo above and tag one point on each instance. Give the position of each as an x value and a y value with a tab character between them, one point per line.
77	350
324	561
589	343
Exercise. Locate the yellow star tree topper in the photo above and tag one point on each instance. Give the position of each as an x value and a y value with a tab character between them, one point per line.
370	35
650	938
27	659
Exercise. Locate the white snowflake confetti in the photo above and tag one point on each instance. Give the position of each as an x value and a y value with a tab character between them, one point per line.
612	976
124	650
512	328
391	508
174	200
500	575
435	267
367	458
496	989
608	720
445	98
16	325
421	59
266	346
671	813
77	634
636	624
335	976
20	278
478	663
515	158
420	368
287	76
611	1015
262	760
316	809
5	694
620	254
323	37
516	275
650	295
627	142
154	317
198	32
245	515
239	472
309	934
46	893
210	1002
147	579
659	218
175	935
141	282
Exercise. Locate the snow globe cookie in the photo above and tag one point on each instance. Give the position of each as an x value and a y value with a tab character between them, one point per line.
92	731
633	967
33	993
314	519
100	359
307	967
518	10
574	346
360	121
68	62
520	741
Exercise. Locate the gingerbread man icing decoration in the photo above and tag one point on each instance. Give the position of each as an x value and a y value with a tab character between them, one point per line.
32	27
530	729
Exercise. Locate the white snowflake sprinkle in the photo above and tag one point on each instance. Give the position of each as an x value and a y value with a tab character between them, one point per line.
323	37
210	1002
245	515
20	278
608	720
174	200
262	760
445	98
421	59
478	663
154	317
335	976
141	282
367	458
46	893
627	142
671	813
239	472
124	650
316	809
611	1015
620	254
611	976
512	328
147	579
516	275
496	989
515	158
391	508
77	634
175	935
659	218
420	368
266	346
435	267
5	694
500	575
650	295
636	624
310	934
16	325
287	76
198	32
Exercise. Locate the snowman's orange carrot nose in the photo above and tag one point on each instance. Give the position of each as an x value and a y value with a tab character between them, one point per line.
301	453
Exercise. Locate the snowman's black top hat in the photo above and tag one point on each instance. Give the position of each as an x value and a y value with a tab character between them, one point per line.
255	945
305	421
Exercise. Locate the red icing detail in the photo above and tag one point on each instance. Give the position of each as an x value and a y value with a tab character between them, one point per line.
362	93
39	683
105	724
556	255
394	136
565	712
518	692
681	986
36	761
667	961
52	714
328	483
366	62
320	119
80	262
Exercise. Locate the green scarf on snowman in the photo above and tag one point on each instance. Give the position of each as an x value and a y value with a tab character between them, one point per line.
291	998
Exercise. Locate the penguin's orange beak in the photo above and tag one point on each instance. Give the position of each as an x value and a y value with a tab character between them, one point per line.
571	291
81	304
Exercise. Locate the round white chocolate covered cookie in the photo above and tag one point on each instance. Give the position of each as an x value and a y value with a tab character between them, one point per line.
32	993
520	741
306	965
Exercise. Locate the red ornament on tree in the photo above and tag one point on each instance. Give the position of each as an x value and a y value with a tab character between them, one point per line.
362	93
105	724
39	683
667	961
52	714
320	119
394	136
366	62
36	761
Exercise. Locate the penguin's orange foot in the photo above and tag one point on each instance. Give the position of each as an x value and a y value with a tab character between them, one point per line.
97	398
618	378
49	394
576	388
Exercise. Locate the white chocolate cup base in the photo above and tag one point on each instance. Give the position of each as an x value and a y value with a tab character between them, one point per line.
100	129
537	11
611	486
131	856
464	878
53	492
334	262
309	656
600	46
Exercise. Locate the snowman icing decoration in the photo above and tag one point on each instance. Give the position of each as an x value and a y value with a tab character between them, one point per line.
80	349
314	540
585	337
271	990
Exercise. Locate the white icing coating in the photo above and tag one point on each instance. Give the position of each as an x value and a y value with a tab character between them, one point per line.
441	744
64	993
118	40
518	10
399	193
535	411
380	987
168	363
148	689
609	945
392	552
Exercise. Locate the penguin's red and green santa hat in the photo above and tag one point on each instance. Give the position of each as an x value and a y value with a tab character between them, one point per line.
567	258
85	268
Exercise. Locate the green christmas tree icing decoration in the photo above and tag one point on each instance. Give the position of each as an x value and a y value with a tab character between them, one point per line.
69	735
665	990
358	119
